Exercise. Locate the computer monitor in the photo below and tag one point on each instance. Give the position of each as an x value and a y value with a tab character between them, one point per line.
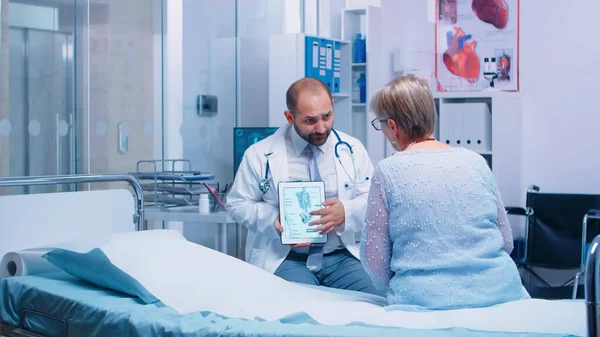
243	138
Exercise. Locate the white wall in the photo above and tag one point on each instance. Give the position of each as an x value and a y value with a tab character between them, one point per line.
560	142
408	31
406	28
257	20
558	84
330	18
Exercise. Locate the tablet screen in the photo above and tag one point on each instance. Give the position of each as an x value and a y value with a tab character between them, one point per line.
296	202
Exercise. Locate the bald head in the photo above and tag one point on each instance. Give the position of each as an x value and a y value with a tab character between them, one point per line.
306	86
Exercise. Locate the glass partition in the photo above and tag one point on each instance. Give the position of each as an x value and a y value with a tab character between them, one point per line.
90	86
36	124
209	83
98	86
81	87
119	84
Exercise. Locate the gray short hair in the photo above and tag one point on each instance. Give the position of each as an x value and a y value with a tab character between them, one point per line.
409	102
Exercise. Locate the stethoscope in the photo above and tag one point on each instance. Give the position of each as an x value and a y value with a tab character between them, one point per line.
264	185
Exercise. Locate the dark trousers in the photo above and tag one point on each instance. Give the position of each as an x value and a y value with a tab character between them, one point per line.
340	270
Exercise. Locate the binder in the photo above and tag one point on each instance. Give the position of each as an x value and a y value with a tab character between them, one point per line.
312	57
446	124
329	63
477	126
336	66
452	124
324	61
458	125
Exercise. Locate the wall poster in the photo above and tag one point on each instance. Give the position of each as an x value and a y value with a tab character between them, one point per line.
477	41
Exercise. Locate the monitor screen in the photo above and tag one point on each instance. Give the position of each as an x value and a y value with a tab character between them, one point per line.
243	138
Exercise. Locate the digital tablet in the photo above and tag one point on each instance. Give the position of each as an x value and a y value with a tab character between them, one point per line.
296	201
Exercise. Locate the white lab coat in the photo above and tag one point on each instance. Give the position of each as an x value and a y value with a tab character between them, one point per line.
256	210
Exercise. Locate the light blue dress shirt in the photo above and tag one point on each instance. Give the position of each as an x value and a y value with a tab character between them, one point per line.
298	155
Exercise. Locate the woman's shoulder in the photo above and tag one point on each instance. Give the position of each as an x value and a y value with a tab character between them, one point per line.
429	154
407	159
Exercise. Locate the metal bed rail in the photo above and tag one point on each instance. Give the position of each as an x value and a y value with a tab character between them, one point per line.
138	217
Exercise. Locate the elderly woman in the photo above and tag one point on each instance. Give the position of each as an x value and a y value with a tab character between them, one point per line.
436	235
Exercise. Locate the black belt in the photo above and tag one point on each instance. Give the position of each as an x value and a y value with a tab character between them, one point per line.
305	255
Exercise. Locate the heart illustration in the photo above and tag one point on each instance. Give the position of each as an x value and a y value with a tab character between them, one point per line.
460	57
494	12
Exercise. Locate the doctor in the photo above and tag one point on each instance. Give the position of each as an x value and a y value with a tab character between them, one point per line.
304	149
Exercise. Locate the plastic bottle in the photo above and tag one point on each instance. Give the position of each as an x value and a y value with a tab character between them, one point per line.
355	89
203	204
362	84
357	50
363	46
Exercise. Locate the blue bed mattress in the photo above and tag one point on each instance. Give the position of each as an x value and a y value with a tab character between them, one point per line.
85	310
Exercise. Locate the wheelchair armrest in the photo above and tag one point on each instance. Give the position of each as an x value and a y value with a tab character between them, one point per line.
591	214
515	210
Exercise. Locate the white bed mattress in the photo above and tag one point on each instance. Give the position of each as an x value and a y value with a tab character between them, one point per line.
190	278
204	284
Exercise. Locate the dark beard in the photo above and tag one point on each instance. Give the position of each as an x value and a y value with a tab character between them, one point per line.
309	137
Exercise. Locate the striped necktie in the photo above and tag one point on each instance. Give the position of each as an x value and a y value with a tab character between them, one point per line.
314	262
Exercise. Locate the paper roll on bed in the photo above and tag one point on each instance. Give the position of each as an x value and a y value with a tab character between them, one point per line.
31	261
26	262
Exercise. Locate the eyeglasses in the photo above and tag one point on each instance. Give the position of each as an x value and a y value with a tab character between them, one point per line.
376	123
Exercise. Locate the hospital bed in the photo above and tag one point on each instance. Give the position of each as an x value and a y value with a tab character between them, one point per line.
58	304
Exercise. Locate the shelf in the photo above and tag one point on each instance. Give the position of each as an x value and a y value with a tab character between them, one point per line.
336	40
366	21
474	94
356	11
340	94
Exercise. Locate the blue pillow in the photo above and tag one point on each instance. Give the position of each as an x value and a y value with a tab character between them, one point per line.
96	268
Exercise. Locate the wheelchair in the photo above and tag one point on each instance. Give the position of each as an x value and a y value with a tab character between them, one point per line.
558	230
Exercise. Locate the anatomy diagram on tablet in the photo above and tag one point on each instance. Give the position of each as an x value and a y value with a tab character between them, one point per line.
299	202
304	203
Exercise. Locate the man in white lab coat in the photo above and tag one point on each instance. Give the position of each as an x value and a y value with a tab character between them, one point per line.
304	150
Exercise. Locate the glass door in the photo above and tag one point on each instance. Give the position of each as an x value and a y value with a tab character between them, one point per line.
41	115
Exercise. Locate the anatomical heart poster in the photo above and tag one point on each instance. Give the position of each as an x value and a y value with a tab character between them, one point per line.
477	45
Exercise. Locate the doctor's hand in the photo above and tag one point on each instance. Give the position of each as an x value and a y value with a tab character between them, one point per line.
277	225
279	229
332	216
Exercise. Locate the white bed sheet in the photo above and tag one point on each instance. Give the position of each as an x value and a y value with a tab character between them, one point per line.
189	278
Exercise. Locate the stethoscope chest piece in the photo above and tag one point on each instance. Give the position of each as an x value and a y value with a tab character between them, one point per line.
264	185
